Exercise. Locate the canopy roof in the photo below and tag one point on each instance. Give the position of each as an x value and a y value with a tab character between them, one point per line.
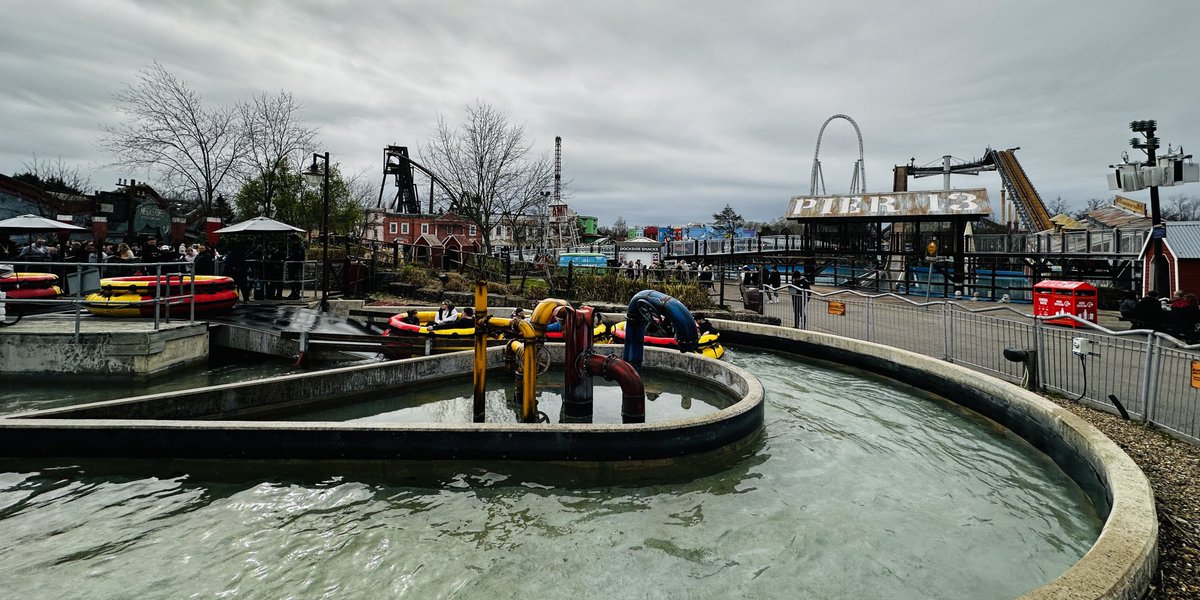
36	223
260	225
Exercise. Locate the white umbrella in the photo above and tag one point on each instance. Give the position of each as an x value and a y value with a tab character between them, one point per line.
259	225
36	223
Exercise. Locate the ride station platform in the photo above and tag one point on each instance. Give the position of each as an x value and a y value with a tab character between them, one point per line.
47	345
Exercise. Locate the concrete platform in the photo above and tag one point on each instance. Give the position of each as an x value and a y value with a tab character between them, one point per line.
131	347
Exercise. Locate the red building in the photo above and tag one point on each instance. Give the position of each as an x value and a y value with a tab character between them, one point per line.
1180	258
407	229
437	237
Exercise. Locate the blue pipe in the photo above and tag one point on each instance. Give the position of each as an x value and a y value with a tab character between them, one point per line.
644	306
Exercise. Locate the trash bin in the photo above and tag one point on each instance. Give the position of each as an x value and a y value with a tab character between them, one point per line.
753	300
1065	298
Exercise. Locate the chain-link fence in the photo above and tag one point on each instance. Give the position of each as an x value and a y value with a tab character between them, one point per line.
1151	375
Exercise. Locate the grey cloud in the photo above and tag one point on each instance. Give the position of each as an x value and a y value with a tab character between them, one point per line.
668	110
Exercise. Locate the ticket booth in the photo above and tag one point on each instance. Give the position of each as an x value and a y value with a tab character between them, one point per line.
1077	298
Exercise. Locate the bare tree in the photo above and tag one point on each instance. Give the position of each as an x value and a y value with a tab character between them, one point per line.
54	176
620	230
1056	206
170	131
1182	208
273	135
486	167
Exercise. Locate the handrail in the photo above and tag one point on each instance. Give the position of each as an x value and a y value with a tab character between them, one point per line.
1180	344
76	300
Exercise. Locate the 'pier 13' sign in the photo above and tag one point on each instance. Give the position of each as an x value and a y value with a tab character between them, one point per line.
894	206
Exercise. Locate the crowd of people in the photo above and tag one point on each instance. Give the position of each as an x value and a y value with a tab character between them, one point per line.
1178	315
260	271
39	250
682	271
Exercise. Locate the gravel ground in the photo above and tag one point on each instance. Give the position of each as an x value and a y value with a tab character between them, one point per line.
1174	471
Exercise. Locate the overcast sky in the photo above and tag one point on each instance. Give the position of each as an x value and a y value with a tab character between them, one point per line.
668	110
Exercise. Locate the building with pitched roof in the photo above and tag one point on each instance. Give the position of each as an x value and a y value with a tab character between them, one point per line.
1180	255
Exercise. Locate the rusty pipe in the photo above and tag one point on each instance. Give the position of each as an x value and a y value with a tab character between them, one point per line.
577	382
633	390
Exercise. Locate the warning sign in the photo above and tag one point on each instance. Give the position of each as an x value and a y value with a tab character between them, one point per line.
1196	374
837	307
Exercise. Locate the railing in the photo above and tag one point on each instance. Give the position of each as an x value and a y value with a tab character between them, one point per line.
269	278
1149	373
1109	243
1116	242
79	279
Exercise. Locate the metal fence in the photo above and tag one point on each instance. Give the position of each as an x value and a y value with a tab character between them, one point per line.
77	280
1153	376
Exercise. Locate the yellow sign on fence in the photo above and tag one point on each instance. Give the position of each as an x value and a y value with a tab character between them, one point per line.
1196	374
837	307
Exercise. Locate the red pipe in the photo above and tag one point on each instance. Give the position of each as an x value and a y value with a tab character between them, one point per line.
577	384
633	392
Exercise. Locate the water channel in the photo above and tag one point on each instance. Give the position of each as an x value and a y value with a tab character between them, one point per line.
859	487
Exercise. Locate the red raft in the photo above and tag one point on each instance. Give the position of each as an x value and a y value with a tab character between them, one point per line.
134	296
30	286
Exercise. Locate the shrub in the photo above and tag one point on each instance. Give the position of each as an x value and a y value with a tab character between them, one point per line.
414	275
536	289
618	290
455	282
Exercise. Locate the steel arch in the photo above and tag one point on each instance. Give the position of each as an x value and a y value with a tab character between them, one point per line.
858	182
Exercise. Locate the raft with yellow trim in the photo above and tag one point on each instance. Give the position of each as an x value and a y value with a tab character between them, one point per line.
397	326
445	339
30	286
134	296
600	334
710	343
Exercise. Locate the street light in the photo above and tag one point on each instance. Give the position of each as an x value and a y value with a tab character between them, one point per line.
545	222
315	175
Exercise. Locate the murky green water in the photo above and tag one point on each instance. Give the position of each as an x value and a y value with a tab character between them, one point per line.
857	490
668	397
19	393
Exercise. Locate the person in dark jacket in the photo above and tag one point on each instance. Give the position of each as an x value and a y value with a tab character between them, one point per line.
235	268
1148	313
150	252
205	262
295	266
1183	316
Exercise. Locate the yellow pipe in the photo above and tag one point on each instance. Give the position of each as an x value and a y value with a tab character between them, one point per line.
480	367
529	383
545	312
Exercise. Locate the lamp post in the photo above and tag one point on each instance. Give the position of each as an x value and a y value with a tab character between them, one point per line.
313	175
545	222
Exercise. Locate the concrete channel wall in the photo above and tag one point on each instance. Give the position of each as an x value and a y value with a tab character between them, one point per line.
209	422
1122	561
49	348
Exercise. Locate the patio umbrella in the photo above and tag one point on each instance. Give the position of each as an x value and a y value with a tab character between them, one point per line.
259	225
31	223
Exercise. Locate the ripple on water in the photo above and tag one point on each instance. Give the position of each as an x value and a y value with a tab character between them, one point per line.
859	488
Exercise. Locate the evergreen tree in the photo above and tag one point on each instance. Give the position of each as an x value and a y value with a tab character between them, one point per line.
727	222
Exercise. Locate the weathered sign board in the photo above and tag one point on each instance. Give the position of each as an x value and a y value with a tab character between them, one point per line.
895	206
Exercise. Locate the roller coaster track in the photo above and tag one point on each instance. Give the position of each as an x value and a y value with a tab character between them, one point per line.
1030	209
